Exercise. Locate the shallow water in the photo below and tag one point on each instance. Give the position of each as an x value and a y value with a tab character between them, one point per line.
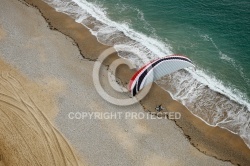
214	35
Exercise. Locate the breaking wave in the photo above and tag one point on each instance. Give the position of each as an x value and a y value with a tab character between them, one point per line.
205	96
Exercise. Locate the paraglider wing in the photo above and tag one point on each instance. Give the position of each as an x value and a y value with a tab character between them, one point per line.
157	69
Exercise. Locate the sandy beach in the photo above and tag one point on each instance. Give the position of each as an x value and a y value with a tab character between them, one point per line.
46	64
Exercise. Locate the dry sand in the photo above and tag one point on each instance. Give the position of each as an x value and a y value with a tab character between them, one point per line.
2	33
27	136
52	62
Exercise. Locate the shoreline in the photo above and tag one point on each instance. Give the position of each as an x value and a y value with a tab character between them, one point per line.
209	84
212	141
200	126
236	156
226	96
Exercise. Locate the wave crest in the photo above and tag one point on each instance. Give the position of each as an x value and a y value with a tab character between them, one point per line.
196	90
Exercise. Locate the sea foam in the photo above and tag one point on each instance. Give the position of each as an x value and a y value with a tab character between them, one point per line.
204	95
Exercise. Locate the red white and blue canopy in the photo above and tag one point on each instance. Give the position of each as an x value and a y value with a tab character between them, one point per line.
157	69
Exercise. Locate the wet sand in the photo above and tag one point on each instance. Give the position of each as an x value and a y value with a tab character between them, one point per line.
51	59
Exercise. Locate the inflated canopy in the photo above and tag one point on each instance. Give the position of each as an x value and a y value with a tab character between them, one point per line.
157	69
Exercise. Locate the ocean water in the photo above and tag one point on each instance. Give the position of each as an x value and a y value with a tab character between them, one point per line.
215	35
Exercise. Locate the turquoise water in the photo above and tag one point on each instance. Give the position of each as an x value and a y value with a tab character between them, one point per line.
214	34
